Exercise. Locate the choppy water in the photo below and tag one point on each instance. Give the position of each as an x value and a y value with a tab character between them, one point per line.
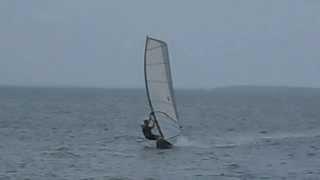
229	133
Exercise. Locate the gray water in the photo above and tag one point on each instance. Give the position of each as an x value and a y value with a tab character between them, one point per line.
228	133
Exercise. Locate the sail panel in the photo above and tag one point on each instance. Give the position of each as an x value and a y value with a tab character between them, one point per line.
159	86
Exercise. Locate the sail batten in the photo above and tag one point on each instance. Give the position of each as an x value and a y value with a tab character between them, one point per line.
157	81
151	64
159	87
149	49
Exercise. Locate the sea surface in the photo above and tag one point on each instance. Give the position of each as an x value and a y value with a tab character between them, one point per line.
94	134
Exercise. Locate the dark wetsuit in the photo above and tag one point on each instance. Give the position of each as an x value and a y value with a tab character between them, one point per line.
148	133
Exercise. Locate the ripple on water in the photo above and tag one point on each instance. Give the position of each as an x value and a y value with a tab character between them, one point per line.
106	178
4	178
61	152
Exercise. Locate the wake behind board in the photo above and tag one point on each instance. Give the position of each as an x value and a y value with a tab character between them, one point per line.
160	93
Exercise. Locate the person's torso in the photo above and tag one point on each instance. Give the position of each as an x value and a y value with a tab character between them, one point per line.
147	131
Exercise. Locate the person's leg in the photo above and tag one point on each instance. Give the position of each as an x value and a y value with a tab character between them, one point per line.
154	137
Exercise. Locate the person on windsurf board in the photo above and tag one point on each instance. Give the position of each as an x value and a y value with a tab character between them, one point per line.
148	134
147	130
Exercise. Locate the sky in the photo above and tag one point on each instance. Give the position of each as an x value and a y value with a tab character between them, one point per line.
212	43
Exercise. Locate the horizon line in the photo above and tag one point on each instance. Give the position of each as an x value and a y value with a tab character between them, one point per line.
177	88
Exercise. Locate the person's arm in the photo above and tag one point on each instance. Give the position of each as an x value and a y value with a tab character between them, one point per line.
153	124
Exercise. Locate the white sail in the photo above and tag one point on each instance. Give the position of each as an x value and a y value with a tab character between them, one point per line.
159	87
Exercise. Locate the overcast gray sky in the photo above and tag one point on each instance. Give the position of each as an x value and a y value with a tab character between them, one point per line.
212	42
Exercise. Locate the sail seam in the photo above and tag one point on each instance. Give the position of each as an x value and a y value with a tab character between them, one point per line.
149	64
150	49
170	118
165	102
157	81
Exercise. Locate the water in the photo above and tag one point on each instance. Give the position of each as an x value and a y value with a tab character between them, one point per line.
228	133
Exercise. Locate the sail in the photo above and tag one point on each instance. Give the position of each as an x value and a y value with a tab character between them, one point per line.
159	87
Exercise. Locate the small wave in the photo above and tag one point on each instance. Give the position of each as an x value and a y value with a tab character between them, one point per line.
309	134
183	141
106	178
230	142
61	152
126	155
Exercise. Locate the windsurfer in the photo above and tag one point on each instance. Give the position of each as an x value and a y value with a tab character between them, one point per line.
147	129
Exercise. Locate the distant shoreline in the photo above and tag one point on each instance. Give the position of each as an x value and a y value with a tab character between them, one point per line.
220	88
